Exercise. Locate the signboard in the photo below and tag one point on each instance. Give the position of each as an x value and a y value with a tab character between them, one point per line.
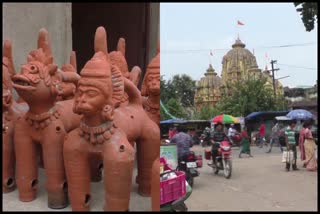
169	152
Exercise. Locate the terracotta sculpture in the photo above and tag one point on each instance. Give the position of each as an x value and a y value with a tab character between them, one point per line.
118	58
155	185
66	90
11	111
151	89
134	121
98	137
46	123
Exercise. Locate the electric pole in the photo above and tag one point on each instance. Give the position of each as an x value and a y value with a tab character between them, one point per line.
273	79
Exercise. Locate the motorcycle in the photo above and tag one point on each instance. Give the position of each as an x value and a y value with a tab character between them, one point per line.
177	205
223	160
235	140
189	164
205	140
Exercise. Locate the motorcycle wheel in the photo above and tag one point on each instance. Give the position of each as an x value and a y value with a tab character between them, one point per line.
227	169
216	169
182	207
190	179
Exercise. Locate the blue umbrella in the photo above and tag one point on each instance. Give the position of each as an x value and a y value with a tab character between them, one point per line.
300	114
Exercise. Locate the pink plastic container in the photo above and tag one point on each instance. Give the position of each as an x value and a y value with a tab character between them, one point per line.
173	189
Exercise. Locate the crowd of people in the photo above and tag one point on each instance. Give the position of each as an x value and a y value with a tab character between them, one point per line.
285	137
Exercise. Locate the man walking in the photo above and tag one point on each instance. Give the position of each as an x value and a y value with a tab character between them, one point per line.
291	145
183	142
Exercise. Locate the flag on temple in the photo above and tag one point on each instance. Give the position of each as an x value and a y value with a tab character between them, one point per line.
240	23
267	57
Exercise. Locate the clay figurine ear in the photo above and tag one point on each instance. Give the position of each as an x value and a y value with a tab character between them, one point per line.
122	46
100	40
7	52
73	60
44	42
135	75
107	112
52	69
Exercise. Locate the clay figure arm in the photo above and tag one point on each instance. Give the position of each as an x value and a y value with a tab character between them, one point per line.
133	92
135	75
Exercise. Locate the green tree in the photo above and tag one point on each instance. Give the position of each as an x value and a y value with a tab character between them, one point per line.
167	90
205	113
182	88
164	115
175	108
245	96
308	12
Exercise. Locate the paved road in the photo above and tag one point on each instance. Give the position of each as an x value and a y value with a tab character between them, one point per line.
11	202
260	183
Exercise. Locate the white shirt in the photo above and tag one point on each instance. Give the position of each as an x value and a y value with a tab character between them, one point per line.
231	131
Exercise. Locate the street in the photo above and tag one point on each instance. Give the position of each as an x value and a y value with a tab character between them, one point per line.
260	183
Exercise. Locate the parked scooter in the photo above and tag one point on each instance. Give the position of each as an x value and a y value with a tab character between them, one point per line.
177	205
223	160
189	164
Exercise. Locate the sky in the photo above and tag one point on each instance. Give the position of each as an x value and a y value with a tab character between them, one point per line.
188	31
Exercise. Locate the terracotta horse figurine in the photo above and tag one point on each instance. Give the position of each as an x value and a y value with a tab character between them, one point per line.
98	138
11	111
134	121
46	123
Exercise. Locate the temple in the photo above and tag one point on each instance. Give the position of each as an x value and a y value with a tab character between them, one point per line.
237	64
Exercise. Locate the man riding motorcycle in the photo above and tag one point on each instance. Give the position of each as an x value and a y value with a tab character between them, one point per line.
216	138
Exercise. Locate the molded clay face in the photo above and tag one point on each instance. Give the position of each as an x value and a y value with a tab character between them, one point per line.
153	82
88	100
35	81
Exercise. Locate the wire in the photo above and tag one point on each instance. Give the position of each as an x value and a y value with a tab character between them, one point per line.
294	66
166	110
225	49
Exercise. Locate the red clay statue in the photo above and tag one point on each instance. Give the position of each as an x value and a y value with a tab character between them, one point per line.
98	137
46	123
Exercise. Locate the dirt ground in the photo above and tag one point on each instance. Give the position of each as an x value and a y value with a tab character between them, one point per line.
260	183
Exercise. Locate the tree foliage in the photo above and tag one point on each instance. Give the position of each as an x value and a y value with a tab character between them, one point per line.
308	12
180	87
175	108
249	95
205	113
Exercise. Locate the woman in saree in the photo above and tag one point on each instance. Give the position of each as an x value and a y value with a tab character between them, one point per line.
301	142
245	144
310	147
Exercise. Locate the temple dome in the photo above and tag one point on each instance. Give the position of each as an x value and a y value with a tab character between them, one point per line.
210	80
239	53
